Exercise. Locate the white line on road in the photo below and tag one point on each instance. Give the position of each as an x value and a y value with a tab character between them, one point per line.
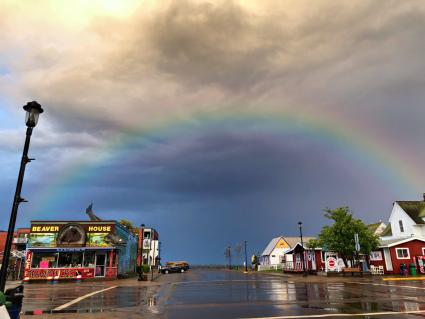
384	313
66	305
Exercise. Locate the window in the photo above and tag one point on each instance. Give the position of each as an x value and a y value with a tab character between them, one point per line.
44	260
68	260
273	255
89	258
376	255
400	224
423	251
402	253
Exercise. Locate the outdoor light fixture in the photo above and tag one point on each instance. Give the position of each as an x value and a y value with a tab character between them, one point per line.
33	110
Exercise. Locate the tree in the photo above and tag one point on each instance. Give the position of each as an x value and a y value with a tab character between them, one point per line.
313	243
238	250
339	237
129	225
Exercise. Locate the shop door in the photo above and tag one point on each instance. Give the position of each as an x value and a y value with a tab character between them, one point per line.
100	264
387	257
312	258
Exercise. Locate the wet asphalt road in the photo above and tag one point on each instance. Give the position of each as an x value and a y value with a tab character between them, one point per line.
225	294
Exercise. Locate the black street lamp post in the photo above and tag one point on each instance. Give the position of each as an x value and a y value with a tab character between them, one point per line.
33	110
300	225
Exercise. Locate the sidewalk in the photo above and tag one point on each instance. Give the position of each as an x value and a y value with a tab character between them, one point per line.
98	315
319	279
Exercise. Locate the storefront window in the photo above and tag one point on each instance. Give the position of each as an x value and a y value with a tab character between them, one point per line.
44	260
67	260
89	258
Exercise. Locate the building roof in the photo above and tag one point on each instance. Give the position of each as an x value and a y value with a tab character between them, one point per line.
374	226
397	241
377	228
292	242
298	246
271	245
387	232
415	210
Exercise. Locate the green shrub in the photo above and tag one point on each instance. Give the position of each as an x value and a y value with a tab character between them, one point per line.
146	268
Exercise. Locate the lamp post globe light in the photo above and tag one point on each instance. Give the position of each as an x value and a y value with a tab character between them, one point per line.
33	110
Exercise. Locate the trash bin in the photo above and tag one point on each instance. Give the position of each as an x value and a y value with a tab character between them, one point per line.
14	297
403	269
412	269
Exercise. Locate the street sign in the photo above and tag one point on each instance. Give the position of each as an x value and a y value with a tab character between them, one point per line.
331	263
357	243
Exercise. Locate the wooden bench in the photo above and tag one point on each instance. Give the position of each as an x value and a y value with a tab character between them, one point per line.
353	270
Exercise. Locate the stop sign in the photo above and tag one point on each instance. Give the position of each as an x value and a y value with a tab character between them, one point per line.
331	263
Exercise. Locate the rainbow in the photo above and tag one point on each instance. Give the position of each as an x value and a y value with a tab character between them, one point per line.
377	158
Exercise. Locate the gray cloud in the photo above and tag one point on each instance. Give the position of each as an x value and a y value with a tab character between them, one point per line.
357	66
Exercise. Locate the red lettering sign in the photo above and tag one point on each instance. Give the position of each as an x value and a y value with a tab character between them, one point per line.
60	273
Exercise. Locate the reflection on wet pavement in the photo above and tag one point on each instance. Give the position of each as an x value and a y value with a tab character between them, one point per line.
226	294
47	298
240	296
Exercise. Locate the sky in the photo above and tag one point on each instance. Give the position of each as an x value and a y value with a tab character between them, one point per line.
214	122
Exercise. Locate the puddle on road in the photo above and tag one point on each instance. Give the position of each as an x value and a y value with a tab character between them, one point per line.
140	300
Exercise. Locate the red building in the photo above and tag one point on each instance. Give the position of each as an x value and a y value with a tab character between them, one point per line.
393	253
313	259
20	239
403	240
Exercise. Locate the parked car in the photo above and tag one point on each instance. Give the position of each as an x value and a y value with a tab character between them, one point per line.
172	267
183	264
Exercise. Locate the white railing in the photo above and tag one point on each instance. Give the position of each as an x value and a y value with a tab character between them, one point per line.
270	267
286	266
20	240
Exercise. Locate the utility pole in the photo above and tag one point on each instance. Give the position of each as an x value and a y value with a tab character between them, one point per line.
230	257
246	258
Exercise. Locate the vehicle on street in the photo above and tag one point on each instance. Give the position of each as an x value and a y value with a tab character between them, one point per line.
175	266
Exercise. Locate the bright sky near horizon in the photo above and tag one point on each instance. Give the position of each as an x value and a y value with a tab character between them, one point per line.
213	121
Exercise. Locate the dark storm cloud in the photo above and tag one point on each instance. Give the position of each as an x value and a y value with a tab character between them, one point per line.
224	187
358	65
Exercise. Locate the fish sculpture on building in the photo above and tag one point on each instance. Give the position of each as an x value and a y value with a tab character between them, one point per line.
89	211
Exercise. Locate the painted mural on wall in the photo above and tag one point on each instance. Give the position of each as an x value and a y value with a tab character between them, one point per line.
42	240
71	235
97	240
